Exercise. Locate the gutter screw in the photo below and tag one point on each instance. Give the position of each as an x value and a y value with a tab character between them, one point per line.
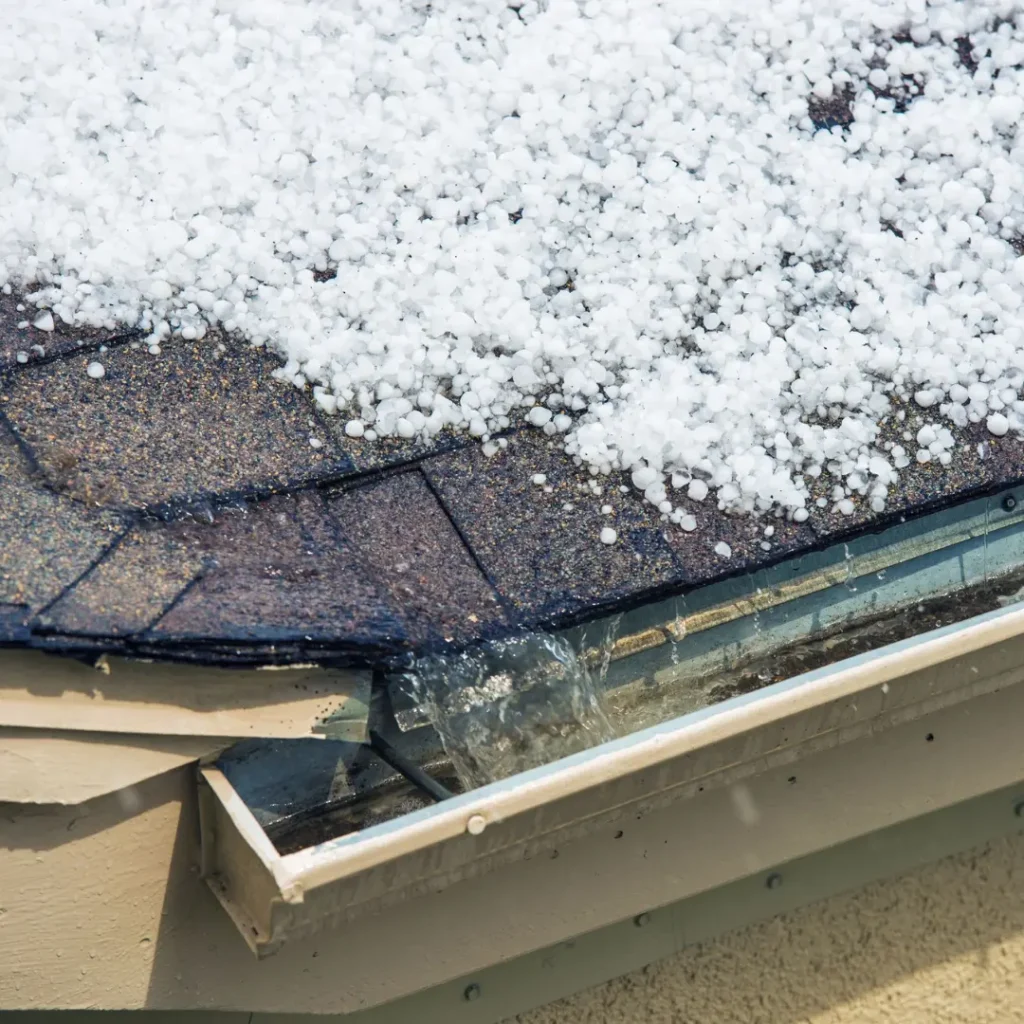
471	993
774	880
641	919
1009	503
1018	808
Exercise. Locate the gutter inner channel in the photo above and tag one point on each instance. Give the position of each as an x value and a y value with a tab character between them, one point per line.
495	710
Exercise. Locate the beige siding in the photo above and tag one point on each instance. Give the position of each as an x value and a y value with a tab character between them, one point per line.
101	906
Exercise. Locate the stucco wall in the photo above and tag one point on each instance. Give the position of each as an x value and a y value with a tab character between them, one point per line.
942	944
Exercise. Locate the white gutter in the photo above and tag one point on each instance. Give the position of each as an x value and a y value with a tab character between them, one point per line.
282	897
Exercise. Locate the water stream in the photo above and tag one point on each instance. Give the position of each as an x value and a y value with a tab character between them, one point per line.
510	705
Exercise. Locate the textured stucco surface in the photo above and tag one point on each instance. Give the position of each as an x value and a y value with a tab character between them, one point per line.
940	945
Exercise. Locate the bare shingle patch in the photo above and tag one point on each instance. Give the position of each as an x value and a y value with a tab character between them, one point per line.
195	420
279	571
415	556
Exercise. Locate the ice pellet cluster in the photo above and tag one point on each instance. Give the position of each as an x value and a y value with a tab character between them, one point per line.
709	243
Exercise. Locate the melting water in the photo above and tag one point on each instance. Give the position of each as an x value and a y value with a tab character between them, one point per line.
851	584
759	583
511	705
605	649
985	539
678	634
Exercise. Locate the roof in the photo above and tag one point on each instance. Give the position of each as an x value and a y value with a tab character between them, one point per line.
177	508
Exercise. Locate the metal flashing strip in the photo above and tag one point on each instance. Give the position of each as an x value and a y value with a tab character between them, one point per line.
737	743
986	519
976	546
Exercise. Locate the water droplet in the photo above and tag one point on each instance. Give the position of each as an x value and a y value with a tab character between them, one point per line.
743	802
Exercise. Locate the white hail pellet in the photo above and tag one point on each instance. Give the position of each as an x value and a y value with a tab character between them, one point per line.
95	370
608	535
997	424
457	166
698	490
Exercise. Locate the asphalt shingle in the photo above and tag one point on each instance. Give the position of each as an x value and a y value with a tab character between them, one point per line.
413	553
28	344
279	571
47	542
542	550
130	588
195	421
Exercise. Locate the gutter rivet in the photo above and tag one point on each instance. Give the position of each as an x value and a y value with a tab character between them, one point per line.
471	993
774	880
1018	808
641	919
476	824
1009	503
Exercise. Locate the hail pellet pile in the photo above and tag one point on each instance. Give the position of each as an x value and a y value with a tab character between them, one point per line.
711	243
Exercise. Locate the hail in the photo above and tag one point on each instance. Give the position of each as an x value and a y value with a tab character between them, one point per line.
712	244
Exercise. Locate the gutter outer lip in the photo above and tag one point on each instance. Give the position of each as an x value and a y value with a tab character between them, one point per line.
341	858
